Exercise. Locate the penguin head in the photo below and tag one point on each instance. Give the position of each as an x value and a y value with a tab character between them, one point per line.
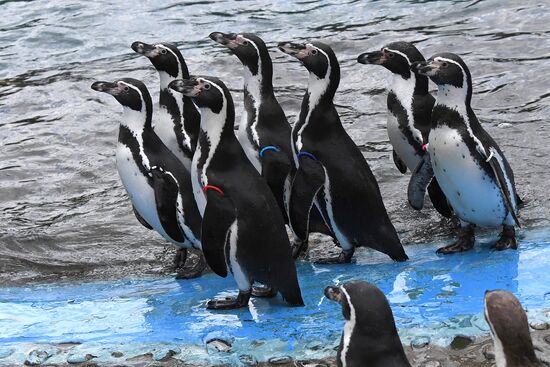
130	93
397	57
445	69
509	327
366	305
206	92
317	57
249	48
164	56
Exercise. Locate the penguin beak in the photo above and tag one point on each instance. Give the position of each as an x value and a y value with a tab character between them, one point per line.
188	87
333	293
375	58
145	49
106	87
228	40
296	50
427	68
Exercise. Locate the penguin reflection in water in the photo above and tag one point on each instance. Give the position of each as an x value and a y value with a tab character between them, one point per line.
370	336
510	330
332	172
468	164
243	229
409	115
176	121
156	182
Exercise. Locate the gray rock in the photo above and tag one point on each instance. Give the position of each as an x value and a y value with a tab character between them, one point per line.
164	354
489	352
38	356
248	360
219	345
539	325
117	354
461	342
420	342
280	360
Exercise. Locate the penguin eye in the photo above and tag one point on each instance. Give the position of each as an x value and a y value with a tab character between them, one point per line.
126	88
314	51
444	64
163	51
391	54
245	43
206	86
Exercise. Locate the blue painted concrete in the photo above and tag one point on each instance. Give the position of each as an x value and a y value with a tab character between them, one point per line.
432	296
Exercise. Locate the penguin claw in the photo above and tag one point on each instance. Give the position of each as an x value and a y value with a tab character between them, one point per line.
459	246
183	272
507	239
264	292
228	303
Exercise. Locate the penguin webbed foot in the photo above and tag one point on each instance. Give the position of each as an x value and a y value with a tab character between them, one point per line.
507	239
299	248
229	303
344	258
183	272
263	292
465	242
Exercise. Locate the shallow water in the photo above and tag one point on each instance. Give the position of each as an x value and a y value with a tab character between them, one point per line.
433	297
63	212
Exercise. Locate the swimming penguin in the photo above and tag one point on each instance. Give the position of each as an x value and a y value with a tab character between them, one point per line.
158	186
510	330
243	230
410	110
370	337
176	122
468	164
264	131
332	172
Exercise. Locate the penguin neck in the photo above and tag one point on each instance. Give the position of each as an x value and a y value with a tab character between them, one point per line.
404	89
168	97
456	99
322	90
137	121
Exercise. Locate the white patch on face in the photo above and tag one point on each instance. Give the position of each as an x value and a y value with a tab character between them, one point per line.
348	328
238	273
252	83
135	122
500	358
316	88
342	239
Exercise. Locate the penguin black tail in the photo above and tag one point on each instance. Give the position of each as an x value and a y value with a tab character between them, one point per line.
292	295
401	256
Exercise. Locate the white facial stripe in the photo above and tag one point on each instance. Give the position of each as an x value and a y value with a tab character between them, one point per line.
348	328
252	84
180	71
136	89
316	89
399	53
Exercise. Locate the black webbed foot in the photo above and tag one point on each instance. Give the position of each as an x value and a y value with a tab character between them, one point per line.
190	272
264	292
229	303
507	239
343	258
465	242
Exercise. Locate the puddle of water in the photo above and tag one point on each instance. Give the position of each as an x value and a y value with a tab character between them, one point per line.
432	297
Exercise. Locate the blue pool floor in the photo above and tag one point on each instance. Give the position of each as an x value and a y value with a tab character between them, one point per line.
433	297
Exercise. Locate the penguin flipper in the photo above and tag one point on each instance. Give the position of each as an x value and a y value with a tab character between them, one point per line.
500	174
140	219
420	179
166	196
275	170
309	179
439	200
218	217
401	166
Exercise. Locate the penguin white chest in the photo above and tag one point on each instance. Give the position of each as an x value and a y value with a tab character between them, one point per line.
196	182
249	149
401	144
473	194
140	193
164	128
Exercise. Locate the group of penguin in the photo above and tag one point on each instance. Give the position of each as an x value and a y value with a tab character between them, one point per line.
202	185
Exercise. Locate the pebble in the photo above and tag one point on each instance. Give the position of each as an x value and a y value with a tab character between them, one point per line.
539	325
488	352
280	360
248	360
461	342
117	354
420	342
4	353
37	357
162	355
431	364
547	339
219	345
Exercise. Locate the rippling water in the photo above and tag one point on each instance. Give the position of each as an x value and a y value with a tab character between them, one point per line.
63	211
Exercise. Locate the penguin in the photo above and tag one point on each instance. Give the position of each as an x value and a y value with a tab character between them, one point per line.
264	132
468	164
243	230
410	109
157	184
332	172
176	122
510	330
370	336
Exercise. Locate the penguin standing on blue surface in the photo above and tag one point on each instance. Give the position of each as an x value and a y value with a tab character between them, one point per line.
410	113
150	173
332	172
468	164
370	336
264	131
243	231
